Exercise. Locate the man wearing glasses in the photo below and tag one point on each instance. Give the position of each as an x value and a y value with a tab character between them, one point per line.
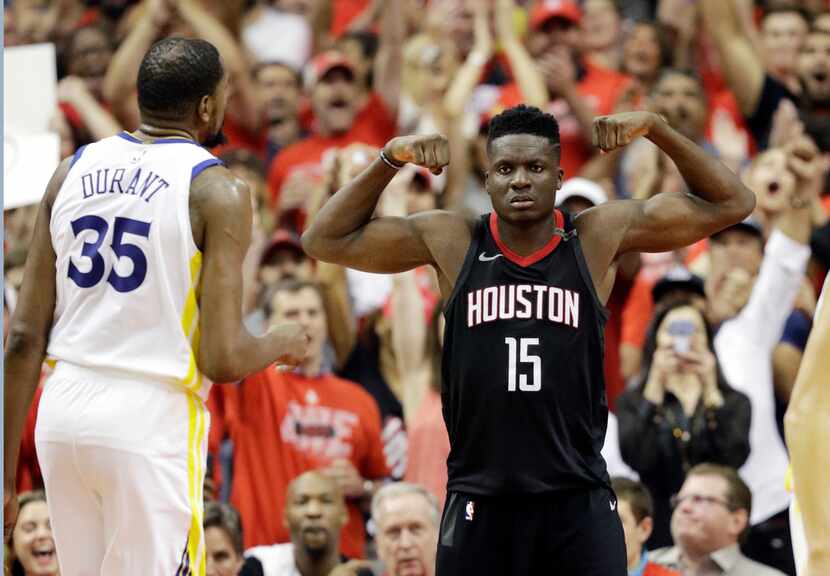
710	518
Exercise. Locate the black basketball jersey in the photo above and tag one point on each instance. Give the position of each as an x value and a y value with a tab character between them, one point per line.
523	386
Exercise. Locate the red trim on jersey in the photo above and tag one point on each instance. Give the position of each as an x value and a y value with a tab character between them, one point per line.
525	261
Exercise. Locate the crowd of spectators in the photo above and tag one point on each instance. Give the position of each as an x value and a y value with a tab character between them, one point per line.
338	467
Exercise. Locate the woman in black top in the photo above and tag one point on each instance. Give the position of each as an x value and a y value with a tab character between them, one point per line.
682	413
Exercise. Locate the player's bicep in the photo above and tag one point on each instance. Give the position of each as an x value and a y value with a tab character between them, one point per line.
666	222
227	214
387	244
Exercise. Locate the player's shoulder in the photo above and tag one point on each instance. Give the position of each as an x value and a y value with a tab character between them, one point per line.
444	224
606	218
218	187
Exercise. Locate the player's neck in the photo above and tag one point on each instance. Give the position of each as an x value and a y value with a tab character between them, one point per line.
525	238
309	565
152	131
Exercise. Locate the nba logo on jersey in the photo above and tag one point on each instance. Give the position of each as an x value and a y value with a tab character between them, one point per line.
469	511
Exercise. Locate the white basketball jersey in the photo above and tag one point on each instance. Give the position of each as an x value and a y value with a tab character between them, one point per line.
127	267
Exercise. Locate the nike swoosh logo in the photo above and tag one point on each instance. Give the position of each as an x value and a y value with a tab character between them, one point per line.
485	258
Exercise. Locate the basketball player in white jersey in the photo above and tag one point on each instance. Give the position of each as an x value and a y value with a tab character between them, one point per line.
132	290
807	426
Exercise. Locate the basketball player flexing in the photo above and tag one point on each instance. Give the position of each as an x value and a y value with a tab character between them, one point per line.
132	288
523	391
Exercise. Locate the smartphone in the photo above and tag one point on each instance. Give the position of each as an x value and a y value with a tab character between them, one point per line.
681	332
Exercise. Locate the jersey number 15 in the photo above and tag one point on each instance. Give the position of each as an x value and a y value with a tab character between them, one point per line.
121	226
522	346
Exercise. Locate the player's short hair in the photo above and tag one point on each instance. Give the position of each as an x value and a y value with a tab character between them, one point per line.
398	489
225	517
738	494
524	119
637	496
175	74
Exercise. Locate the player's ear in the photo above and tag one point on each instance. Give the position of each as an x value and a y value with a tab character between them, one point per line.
560	179
205	108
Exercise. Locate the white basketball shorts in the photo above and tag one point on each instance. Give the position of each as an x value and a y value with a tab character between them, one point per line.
123	462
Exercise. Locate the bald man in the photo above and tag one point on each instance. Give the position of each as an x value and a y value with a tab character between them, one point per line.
315	512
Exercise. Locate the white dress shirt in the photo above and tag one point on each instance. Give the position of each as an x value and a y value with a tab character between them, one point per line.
744	346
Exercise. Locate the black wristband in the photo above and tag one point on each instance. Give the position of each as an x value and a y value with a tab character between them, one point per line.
389	162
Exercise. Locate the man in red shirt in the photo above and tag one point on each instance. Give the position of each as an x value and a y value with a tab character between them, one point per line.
579	88
285	423
339	119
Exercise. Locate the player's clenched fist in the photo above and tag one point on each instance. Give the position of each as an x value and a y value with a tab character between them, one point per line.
611	132
432	152
294	343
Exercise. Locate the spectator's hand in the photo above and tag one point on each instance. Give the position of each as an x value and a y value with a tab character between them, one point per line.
297	188
644	176
393	202
663	363
432	151
505	23
294	343
702	364
160	12
347	477
805	162
678	15
617	130
482	38
559	72
786	126
72	89
731	142
351	568
9	511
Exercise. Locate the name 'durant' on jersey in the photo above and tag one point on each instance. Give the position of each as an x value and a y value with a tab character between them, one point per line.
523	301
116	181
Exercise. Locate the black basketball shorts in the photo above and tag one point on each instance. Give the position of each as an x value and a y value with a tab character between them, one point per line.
563	533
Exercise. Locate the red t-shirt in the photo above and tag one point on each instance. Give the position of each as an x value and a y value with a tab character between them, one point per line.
284	424
601	88
653	569
373	125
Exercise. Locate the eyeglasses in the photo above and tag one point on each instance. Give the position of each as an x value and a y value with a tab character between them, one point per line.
698	500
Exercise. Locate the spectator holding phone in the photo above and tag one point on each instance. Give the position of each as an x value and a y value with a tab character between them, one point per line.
682	413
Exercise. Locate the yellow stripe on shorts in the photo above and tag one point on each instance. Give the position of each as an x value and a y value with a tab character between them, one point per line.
195	484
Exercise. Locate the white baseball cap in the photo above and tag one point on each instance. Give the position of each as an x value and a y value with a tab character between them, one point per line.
581	188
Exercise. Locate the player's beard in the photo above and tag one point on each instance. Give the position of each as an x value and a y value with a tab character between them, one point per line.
217	139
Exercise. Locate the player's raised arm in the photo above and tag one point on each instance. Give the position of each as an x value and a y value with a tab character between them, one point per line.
666	221
221	212
344	231
28	336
